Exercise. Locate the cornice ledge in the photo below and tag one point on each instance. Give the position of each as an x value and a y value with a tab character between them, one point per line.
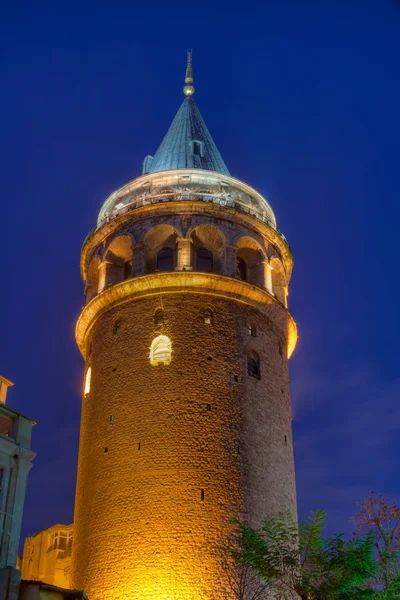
177	282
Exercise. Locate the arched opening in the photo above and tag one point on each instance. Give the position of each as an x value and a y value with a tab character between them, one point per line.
118	260
160	351
160	248
208	248
279	283
165	260
92	280
205	260
208	316
250	259
88	379
241	268
253	365
252	329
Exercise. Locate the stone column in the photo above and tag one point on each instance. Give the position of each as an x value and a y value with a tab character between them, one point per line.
184	254
138	261
230	261
267	276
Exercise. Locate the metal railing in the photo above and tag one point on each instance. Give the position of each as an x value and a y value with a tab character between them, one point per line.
186	197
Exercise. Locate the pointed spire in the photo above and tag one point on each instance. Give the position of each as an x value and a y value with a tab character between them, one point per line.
188	90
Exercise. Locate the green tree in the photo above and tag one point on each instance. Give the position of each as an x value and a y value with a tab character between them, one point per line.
381	518
297	561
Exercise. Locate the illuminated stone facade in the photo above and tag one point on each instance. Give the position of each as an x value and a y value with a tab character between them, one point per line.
172	448
47	556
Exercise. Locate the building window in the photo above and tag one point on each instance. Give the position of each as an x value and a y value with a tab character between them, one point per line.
241	268
60	540
165	260
252	331
159	317
88	380
204	260
208	316
160	351
197	148
253	365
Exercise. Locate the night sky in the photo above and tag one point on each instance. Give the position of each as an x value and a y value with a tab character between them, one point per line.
302	99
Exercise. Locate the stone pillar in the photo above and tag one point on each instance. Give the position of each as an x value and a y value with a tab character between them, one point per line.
138	261
184	254
281	294
267	276
230	261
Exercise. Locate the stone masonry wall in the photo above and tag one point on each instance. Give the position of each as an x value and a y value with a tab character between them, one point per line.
169	454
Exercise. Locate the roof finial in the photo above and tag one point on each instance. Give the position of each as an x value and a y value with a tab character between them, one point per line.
188	90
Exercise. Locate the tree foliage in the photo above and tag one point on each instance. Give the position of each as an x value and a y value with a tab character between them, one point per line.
378	517
297	561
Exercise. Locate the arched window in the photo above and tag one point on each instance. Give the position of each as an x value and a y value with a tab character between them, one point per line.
165	260
88	380
253	365
241	268
208	316
204	260
252	330
159	317
160	351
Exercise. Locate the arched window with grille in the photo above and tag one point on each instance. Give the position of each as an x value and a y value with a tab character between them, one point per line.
165	260
252	329
160	351
241	268
204	260
253	365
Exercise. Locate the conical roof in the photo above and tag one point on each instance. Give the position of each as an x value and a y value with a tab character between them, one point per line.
188	143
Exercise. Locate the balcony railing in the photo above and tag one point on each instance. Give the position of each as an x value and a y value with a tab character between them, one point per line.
179	197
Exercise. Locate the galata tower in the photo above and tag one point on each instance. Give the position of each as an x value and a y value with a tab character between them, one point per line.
186	335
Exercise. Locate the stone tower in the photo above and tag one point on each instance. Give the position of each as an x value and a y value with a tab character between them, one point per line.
186	337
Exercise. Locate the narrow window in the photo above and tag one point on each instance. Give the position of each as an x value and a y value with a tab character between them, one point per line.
241	268
197	148
160	351
252	330
208	316
106	449
159	317
111	417
208	406
253	365
138	446
285	439
165	260
202	494
116	327
88	380
204	260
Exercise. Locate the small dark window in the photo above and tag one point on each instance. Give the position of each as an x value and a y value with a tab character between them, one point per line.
159	317
241	268
197	148
106	449
285	439
252	330
111	417
208	406
127	269
236	378
204	260
253	365
138	446
165	260
116	327
202	494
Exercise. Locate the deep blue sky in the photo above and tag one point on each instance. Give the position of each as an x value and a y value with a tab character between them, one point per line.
303	102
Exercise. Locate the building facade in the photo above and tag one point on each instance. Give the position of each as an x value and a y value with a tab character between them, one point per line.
186	336
15	463
47	556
